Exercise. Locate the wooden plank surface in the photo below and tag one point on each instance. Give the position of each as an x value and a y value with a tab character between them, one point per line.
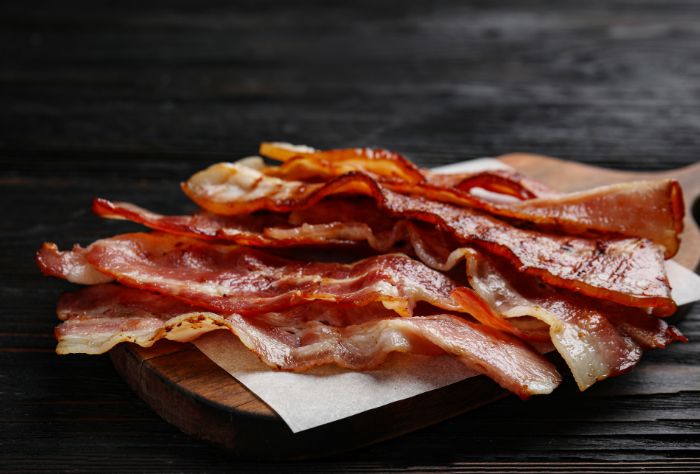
121	99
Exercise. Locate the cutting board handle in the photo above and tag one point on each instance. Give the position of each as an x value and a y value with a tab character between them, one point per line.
689	177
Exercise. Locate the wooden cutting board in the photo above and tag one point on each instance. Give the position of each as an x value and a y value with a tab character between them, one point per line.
188	390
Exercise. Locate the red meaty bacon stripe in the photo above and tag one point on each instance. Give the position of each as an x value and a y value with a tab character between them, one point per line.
249	230
646	209
98	317
628	271
317	226
596	339
234	279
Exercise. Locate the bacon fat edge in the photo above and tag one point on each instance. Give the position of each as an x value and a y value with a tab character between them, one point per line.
96	318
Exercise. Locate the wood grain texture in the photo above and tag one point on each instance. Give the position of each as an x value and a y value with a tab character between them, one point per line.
123	99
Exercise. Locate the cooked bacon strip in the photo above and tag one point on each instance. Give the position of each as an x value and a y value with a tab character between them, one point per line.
244	230
316	226
234	279
596	340
322	165
97	318
500	181
646	209
651	210
72	265
282	151
306	164
627	271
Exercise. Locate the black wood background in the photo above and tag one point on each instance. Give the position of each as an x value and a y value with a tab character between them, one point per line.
124	99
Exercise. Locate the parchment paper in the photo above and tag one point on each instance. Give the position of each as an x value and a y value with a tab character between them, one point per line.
326	394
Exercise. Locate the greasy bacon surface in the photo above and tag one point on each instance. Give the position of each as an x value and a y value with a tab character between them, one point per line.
232	278
235	279
651	210
98	317
304	163
646	209
596	340
244	230
628	271
331	222
324	165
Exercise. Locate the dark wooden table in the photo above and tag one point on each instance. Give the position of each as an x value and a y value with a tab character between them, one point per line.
124	99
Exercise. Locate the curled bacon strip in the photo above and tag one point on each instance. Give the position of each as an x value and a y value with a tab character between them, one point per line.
323	165
307	164
627	271
97	318
316	226
234	279
645	209
651	210
244	230
596	340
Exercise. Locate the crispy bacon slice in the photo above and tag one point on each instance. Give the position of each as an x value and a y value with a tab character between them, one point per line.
646	209
324	165
97	318
651	210
303	163
332	222
244	230
596	340
628	271
452	188
234	279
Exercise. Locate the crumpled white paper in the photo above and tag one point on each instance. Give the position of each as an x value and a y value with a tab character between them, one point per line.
326	394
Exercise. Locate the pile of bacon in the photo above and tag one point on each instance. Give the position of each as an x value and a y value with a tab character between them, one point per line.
580	273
